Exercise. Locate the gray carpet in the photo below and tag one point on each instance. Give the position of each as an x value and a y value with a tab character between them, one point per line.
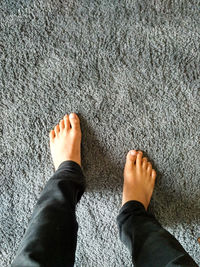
130	69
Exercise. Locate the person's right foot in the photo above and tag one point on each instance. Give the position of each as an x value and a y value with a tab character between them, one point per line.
139	179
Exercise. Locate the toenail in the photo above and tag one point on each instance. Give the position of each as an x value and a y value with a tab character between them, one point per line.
133	152
72	116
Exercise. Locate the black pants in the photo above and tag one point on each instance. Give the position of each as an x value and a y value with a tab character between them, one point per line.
51	237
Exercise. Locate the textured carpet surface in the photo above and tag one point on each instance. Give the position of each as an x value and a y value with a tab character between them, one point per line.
130	69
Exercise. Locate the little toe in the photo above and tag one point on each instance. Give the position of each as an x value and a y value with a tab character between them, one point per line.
67	122
61	125
139	159
153	175
74	121
52	135
149	168
57	129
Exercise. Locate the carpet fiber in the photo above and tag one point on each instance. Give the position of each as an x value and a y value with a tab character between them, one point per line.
130	70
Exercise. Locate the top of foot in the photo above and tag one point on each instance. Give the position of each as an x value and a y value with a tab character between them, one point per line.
65	140
139	178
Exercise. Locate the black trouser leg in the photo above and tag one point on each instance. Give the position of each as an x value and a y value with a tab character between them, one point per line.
149	244
51	236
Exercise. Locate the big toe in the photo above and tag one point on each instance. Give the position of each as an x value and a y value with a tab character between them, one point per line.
74	121
130	159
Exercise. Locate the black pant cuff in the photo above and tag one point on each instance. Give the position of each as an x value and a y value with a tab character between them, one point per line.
68	165
71	171
132	207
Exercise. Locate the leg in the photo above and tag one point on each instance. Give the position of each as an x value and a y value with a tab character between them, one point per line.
149	244
51	237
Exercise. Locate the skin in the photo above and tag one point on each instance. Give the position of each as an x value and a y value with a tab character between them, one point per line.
139	177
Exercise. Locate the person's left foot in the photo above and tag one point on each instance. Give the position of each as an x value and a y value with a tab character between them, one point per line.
65	140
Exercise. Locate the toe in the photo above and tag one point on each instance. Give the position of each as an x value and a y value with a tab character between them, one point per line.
57	129
52	135
149	168
139	159
130	158
67	122
153	175
74	121
61	125
144	163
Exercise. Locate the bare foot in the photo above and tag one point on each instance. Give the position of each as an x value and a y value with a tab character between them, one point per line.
139	179
65	140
